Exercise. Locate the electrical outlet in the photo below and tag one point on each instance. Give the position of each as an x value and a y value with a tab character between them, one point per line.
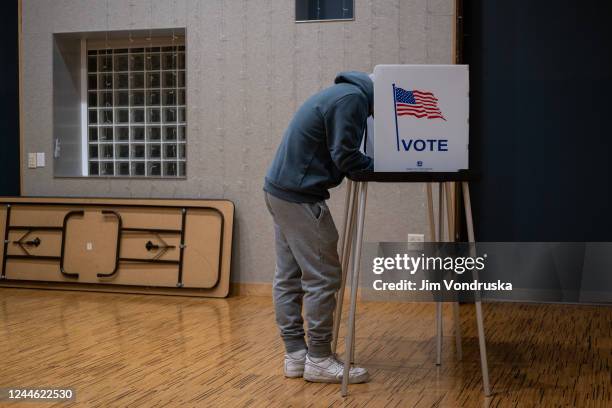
416	238
31	160
89	246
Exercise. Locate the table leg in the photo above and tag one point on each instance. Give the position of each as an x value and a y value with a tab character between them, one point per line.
362	188
346	245
479	316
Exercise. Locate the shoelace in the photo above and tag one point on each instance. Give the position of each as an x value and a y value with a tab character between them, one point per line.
336	361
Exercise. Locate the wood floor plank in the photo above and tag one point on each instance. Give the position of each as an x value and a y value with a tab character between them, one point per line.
121	350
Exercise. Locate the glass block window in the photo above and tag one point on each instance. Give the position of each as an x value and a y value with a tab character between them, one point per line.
317	10
137	111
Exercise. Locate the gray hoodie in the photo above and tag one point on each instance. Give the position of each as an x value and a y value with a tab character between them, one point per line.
321	144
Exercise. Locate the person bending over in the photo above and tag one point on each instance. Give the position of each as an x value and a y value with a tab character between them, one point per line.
320	146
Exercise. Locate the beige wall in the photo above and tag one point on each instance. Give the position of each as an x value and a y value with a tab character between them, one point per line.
249	68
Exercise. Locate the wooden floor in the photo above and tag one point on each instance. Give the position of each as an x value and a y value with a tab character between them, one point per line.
120	350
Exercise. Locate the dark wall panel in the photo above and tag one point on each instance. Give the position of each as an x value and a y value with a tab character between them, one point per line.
9	100
541	116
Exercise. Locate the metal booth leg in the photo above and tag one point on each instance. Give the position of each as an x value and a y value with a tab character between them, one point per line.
450	216
445	199
430	213
439	303
351	251
346	244
457	319
434	238
351	261
479	317
362	188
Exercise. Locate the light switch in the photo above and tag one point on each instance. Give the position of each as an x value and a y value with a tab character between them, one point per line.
40	159
31	160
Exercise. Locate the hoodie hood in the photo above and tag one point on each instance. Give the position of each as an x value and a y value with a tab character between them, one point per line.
362	81
321	144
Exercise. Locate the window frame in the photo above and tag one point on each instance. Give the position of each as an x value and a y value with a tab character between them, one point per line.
179	140
326	20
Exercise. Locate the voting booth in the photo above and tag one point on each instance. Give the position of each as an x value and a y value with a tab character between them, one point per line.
421	118
419	133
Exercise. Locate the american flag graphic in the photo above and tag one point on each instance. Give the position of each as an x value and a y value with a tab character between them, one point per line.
421	104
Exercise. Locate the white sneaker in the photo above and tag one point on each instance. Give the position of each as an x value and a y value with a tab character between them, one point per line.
294	367
330	370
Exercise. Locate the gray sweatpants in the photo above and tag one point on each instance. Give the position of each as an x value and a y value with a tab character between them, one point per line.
308	268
